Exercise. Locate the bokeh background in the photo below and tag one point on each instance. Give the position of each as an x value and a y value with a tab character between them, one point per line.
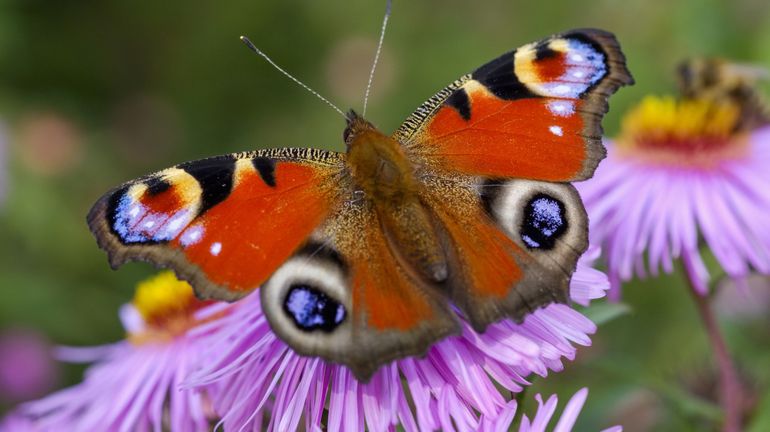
94	93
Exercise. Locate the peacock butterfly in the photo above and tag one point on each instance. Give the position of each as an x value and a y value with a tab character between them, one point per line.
367	256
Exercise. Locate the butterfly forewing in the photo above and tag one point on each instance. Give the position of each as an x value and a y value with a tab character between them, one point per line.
532	113
224	223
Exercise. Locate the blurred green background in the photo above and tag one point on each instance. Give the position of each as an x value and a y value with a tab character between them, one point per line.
94	93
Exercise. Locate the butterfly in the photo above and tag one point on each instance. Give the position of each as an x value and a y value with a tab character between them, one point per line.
371	255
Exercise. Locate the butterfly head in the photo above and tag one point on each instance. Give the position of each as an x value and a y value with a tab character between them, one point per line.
356	126
376	161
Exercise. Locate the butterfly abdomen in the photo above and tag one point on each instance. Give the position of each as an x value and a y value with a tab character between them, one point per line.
413	236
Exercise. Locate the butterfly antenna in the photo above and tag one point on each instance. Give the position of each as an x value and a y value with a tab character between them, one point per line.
290	76
377	54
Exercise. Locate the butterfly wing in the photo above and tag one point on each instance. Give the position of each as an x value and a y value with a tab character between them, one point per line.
516	244
495	150
346	297
223	223
532	113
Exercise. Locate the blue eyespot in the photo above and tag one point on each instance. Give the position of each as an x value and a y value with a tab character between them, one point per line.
543	223
311	309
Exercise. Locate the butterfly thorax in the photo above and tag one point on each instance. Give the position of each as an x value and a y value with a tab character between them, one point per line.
378	163
380	169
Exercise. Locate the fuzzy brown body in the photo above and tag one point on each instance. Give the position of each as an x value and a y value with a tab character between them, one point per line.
381	169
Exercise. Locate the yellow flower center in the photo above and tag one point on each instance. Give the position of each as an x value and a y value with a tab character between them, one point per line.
699	132
167	306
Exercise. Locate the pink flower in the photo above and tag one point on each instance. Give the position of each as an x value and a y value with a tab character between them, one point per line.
682	170
255	381
15	422
236	369
134	384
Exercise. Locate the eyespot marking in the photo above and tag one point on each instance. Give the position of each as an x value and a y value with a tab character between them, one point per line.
544	222
310	309
135	223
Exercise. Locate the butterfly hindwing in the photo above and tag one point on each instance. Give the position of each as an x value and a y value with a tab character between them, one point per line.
516	243
532	113
346	297
223	223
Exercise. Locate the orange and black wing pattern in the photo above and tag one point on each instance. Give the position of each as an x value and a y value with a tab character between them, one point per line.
533	113
347	297
515	244
224	223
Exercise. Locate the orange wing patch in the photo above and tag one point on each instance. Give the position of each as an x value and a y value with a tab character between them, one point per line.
241	241
549	69
521	138
486	256
488	267
383	294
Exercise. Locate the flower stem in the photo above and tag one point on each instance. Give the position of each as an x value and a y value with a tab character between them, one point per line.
731	393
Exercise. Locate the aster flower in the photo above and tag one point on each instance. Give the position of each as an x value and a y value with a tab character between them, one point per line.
680	170
16	422
256	381
134	384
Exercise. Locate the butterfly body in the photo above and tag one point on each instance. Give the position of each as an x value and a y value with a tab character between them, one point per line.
383	173
364	257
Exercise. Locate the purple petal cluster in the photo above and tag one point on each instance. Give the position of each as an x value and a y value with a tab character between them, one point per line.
130	387
256	381
647	215
230	366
